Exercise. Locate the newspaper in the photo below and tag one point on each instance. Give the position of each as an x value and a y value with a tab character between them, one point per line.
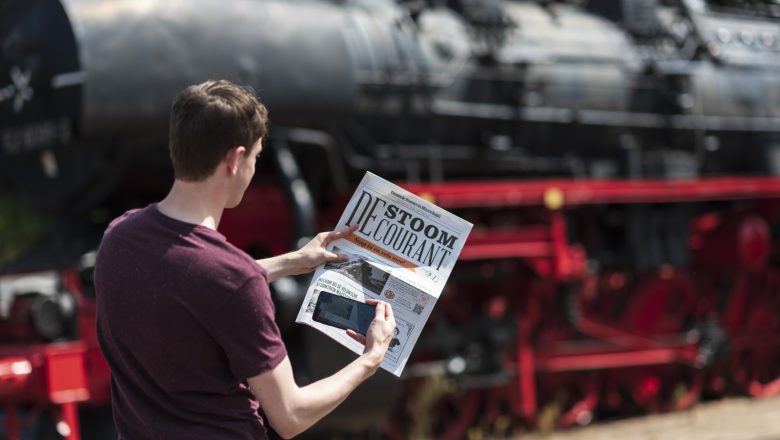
402	253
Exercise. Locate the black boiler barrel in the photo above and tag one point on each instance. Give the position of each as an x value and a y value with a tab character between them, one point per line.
88	68
136	55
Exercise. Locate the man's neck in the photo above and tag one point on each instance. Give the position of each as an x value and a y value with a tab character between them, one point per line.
199	203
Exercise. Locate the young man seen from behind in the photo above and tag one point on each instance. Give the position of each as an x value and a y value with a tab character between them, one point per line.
185	319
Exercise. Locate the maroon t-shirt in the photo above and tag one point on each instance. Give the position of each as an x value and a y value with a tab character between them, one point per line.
184	318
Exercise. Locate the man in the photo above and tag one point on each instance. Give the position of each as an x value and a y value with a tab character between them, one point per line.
185	319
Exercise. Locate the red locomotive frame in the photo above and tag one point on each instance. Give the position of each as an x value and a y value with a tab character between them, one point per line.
624	340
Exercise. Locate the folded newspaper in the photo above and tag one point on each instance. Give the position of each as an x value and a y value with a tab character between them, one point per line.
402	253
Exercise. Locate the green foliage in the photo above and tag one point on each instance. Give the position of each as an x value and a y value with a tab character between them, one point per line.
20	228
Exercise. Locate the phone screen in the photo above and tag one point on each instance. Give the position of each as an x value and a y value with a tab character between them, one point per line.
343	312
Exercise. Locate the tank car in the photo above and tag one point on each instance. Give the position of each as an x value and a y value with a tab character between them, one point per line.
619	160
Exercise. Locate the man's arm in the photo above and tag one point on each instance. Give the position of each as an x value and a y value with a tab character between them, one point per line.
305	259
292	409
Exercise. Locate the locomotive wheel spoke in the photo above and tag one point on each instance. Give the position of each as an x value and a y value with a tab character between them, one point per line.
660	305
663	305
756	362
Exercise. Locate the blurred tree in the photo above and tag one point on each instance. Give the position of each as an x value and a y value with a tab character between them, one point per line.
20	228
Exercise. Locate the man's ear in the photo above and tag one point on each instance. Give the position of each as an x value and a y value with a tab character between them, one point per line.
233	158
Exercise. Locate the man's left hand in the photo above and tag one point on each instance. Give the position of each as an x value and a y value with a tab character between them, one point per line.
314	253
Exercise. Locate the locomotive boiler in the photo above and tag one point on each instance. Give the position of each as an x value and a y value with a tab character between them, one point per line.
618	158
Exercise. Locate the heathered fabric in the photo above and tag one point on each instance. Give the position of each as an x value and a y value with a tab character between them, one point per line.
183	319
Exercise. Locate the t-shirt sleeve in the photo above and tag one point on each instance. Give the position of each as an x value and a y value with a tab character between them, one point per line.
247	331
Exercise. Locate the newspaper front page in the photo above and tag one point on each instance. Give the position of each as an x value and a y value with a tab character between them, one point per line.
402	253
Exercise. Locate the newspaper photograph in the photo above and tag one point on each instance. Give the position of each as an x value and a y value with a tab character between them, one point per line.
402	252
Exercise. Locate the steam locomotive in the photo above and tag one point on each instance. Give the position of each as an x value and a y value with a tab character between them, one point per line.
619	159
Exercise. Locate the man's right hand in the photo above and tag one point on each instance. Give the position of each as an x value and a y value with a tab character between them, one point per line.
292	409
380	332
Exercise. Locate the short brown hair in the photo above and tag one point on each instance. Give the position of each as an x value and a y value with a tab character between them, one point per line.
209	119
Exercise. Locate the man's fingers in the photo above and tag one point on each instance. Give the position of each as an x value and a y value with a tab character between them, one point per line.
341	233
380	311
384	311
356	336
389	312
330	256
348	230
342	257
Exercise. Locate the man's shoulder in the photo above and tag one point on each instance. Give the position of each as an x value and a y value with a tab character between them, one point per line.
196	249
232	263
124	219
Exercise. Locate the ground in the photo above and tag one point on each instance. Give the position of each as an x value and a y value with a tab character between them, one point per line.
728	419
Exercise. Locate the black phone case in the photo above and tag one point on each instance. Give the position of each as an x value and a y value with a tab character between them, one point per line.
365	312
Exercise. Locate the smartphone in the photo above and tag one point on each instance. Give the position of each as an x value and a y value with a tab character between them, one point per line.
343	312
